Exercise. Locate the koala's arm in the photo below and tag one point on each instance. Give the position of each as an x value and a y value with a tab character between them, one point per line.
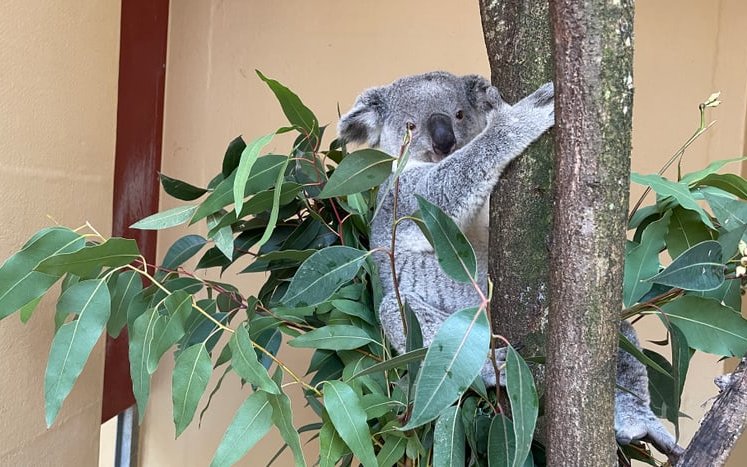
461	183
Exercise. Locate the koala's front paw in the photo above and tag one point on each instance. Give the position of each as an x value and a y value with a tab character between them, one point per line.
543	96
488	370
634	421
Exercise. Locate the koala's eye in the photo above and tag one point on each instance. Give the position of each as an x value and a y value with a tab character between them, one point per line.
459	115
410	126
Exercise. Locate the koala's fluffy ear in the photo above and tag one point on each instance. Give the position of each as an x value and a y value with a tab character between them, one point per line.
363	122
476	88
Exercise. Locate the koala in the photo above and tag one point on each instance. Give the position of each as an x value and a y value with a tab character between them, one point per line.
463	137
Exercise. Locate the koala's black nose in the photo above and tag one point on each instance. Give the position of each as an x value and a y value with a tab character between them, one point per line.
442	134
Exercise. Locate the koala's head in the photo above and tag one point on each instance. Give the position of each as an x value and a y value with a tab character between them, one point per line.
444	112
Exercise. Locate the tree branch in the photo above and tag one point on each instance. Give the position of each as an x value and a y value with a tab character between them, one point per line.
722	425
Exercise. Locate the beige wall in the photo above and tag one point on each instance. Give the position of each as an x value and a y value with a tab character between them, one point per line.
58	90
329	51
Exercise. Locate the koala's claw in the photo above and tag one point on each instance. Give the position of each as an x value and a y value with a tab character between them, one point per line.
544	95
494	98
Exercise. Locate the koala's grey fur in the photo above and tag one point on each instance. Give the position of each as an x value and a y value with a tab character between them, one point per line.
458	173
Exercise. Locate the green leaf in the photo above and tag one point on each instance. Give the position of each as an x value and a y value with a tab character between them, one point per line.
359	171
395	362
708	326
355	308
454	359
642	261
331	446
322	274
524	403
73	342
223	236
392	451
250	424
680	363
663	403
454	252
729	241
188	383
729	293
171	328
349	419
731	213
698	269
295	111
448	439
261	202
679	191
114	252
685	231
27	310
245	363
127	285
333	337
262	176
629	347
141	337
501	442
182	250
731	183
248	157
232	156
282	417
413	341
20	284
168	218
181	190
695	177
277	201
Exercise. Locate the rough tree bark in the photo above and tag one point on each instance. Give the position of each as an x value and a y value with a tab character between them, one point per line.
593	43
591	203
518	41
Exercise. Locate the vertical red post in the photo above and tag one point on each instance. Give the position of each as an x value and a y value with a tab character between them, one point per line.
142	72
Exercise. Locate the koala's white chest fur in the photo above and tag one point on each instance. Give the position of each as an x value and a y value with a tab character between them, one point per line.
477	229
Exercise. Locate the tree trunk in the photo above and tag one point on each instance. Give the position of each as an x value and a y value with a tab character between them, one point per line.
517	36
594	98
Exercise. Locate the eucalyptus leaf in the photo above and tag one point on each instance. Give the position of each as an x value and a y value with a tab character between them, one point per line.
249	156
392	451
333	337
296	112
182	250
250	424
127	285
695	177
282	417
170	328
453	251
277	201
245	363
359	171
524	403
501	442
263	175
20	284
232	156
192	372
179	189
642	261
685	231
731	183
114	252
698	269
454	359
680	192
448	439
708	325
141	338
222	236
322	274
165	219
349	419
331	446
74	341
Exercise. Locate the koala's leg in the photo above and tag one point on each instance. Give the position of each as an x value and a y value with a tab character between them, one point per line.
430	319
634	419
